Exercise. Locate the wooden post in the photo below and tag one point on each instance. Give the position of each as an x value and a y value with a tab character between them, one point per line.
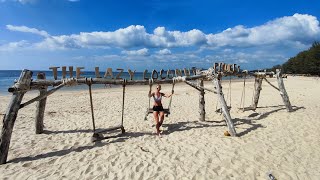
202	109
283	91
41	105
257	90
224	108
11	114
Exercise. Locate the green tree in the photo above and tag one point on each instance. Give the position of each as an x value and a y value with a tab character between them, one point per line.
305	62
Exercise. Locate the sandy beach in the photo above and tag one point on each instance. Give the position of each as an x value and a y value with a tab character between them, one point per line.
271	140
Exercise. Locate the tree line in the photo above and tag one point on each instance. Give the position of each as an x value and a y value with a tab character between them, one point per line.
305	62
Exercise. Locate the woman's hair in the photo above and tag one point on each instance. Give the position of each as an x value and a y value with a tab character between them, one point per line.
158	85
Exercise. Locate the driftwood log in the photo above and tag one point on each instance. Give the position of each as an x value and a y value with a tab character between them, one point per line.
257	90
39	83
41	106
202	109
224	108
11	113
283	91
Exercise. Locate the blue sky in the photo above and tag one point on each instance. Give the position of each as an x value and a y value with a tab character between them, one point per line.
36	34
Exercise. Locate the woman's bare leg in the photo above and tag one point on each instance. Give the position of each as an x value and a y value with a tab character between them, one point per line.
156	118
161	117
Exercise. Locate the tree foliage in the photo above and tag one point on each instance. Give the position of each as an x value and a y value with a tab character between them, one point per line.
306	62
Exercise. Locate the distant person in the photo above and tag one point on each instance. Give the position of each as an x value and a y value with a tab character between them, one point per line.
158	112
106	85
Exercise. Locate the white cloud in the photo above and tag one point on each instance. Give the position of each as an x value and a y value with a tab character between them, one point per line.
163	38
275	41
164	52
27	30
14	46
130	37
297	28
140	52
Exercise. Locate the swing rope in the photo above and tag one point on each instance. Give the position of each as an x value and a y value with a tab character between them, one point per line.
229	92
254	92
123	97
172	91
243	93
150	84
220	109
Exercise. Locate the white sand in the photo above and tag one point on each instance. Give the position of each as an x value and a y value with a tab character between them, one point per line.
286	144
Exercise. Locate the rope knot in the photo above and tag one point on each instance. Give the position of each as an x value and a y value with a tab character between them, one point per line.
179	79
69	82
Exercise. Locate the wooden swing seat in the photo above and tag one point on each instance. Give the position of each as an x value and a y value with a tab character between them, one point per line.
166	111
100	131
98	134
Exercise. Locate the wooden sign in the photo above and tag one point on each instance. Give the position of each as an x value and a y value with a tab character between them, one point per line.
110	74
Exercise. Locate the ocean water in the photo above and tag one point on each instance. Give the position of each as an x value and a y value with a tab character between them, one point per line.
8	77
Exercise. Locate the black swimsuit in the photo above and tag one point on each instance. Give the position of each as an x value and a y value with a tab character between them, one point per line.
157	108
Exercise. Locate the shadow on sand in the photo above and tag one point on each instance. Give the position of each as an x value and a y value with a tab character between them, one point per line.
255	126
175	127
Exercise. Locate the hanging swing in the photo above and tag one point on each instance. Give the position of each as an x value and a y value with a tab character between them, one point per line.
98	134
166	110
228	98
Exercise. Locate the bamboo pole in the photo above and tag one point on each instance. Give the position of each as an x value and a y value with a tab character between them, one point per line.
41	106
257	90
283	91
12	112
225	110
202	110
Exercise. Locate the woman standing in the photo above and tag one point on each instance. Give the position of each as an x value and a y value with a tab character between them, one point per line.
158	112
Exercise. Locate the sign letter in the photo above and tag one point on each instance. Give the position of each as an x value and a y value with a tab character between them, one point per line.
79	72
55	72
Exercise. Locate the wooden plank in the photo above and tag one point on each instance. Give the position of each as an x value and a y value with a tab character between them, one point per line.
257	90
41	106
224	108
283	91
108	129
202	109
11	115
166	111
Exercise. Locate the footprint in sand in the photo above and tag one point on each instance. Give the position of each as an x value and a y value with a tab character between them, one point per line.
139	167
52	161
81	159
89	169
28	164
